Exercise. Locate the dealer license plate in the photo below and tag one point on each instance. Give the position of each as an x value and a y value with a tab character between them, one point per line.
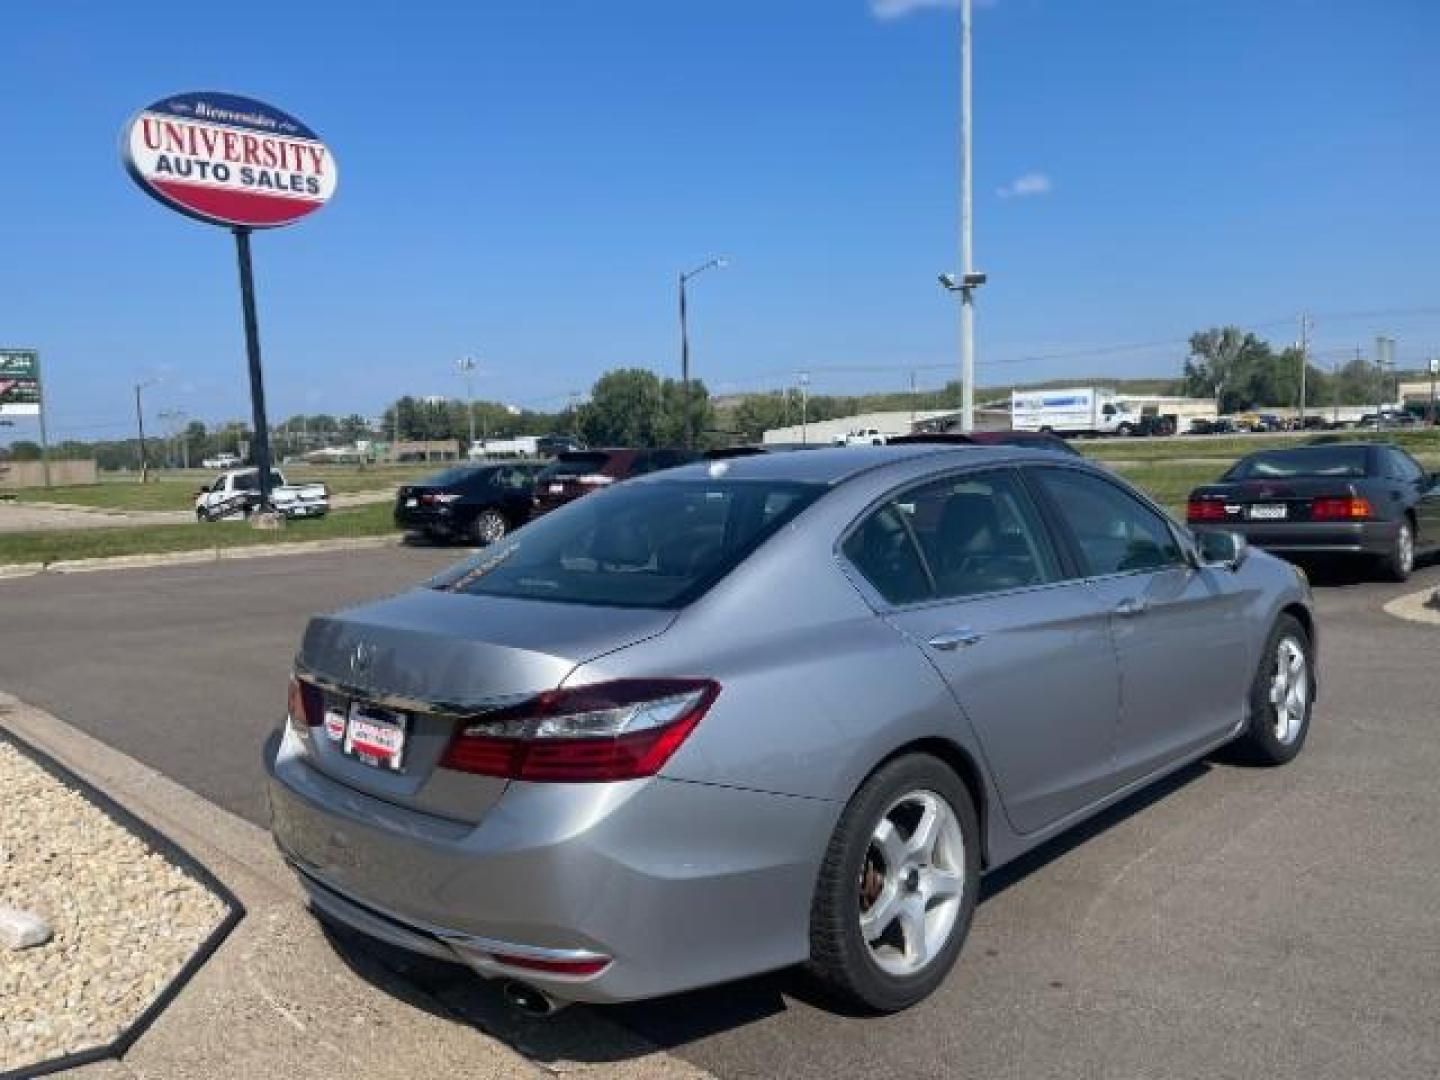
375	736
412	502
556	489
1269	512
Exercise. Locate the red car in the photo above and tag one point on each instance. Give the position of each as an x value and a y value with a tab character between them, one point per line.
579	472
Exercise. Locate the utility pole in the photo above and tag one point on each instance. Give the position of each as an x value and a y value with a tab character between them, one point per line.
1305	325
804	408
912	402
1384	353
466	367
140	426
1434	371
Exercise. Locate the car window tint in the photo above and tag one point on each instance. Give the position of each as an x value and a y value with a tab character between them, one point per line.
1115	532
1405	467
979	534
575	464
657	544
883	550
1337	461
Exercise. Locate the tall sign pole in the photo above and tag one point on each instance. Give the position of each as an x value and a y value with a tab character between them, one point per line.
252	358
242	164
1304	363
967	229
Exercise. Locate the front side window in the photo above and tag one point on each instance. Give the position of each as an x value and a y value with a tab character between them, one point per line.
1115	532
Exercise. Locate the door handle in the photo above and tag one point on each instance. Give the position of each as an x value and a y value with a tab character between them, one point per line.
1131	606
955	639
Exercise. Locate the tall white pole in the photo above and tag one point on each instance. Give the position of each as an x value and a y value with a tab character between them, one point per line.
967	254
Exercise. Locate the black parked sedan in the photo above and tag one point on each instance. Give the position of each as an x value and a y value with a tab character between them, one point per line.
1365	499
477	504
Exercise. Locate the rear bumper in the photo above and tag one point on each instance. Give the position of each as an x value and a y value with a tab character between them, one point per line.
1318	538
442	520
681	884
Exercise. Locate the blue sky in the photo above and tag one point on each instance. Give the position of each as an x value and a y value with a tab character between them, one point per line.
522	180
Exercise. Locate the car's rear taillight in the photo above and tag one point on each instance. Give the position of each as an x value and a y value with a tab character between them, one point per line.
618	730
1205	510
1347	509
306	705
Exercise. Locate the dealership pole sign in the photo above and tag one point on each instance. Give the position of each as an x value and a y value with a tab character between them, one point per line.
241	164
19	382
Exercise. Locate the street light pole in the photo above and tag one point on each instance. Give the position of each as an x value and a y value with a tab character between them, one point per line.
967	224
689	433
1305	325
804	408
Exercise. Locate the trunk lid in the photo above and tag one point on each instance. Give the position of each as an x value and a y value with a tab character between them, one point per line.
425	658
1289	499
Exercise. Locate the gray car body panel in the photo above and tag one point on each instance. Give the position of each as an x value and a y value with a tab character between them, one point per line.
705	872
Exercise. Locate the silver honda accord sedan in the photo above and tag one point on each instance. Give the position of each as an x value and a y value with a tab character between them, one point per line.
771	710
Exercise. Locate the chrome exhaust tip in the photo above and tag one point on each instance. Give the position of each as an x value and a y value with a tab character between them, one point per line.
529	1001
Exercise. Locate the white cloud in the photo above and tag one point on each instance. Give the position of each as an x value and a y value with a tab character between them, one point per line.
896	9
1033	183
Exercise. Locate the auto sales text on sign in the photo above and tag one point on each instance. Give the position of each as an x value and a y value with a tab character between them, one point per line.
229	160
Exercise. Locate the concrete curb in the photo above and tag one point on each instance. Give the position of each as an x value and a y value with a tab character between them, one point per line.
1421	607
197	555
279	998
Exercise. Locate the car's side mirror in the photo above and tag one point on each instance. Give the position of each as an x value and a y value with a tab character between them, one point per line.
1227	549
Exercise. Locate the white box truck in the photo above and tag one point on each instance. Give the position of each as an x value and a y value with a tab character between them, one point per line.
1080	410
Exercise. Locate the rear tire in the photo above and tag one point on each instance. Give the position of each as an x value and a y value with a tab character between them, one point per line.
1281	697
1400	562
897	888
490	526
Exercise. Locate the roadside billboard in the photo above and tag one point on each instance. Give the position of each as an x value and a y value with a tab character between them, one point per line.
228	160
19	382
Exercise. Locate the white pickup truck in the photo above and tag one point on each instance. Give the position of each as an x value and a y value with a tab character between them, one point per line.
861	437
237	494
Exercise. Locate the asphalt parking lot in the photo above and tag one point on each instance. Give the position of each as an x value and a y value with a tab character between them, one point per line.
1233	922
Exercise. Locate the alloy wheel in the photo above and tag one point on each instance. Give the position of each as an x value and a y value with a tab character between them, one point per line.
1405	550
911	883
1290	689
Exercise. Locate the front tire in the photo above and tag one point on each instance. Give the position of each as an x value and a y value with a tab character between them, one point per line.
1281	697
1400	562
897	888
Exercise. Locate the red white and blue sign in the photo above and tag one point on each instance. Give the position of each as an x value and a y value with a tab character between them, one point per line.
229	160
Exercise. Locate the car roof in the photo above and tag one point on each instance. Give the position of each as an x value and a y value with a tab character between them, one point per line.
834	465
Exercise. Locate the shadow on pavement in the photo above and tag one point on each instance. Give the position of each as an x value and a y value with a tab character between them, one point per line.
624	1032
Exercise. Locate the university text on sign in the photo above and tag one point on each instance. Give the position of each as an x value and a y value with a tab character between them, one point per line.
229	160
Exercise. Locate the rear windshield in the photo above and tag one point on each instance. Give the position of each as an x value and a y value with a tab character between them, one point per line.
450	477
658	544
1344	461
574	464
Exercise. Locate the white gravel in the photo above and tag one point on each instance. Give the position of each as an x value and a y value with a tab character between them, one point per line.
125	918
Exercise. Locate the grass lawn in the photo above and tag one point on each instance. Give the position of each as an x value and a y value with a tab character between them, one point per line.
54	545
1423	444
175	490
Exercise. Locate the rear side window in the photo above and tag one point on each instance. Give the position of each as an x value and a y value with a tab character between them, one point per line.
1115	532
1403	466
574	464
883	550
656	544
